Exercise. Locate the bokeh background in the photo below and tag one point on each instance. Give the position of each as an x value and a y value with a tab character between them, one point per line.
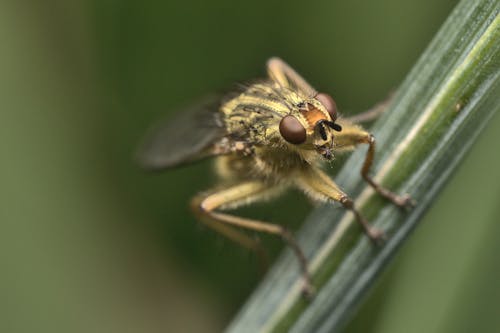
89	243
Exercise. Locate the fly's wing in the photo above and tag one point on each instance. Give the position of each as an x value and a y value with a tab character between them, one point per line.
281	73
186	138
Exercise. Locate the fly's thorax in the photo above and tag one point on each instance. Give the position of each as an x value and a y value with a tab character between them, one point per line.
254	115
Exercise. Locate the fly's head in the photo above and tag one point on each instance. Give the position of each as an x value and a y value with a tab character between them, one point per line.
310	129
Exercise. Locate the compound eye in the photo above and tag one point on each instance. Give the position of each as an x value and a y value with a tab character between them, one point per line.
329	104
292	130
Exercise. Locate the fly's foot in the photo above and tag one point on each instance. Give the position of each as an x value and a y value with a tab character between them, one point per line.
308	290
377	236
404	201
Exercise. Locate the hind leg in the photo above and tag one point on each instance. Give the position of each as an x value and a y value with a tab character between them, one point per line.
208	208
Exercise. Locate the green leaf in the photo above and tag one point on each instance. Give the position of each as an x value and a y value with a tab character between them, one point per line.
438	112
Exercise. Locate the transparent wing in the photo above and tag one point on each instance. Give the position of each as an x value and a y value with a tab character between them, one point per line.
183	139
280	72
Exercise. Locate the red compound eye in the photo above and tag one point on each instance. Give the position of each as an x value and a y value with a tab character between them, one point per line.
329	104
292	130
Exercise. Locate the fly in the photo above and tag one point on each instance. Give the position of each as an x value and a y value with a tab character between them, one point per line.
268	136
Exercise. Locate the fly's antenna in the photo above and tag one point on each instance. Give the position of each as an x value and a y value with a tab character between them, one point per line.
321	127
333	125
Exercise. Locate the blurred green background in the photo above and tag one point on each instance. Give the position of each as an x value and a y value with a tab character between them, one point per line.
89	243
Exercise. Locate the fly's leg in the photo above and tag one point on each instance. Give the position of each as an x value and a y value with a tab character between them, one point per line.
231	233
374	112
404	201
321	187
353	135
208	207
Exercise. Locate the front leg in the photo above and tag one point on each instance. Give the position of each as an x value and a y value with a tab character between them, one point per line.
321	187
404	201
349	138
208	208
